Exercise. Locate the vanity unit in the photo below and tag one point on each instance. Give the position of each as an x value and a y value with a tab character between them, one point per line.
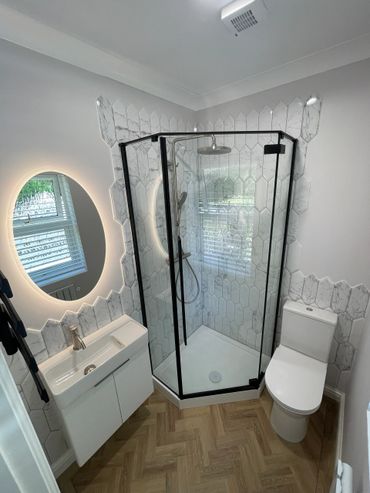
98	388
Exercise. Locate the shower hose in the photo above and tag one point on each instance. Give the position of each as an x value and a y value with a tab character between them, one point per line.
196	280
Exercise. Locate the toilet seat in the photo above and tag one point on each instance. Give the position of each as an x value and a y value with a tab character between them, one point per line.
295	380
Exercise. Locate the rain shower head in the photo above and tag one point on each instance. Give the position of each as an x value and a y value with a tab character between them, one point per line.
214	149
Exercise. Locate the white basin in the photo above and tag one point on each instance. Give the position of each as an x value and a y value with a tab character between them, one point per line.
107	349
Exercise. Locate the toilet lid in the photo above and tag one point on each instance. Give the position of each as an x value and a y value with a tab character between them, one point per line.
295	380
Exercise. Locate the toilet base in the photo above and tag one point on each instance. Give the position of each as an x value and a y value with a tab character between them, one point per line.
289	426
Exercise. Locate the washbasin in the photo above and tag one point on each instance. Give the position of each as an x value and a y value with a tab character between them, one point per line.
70	373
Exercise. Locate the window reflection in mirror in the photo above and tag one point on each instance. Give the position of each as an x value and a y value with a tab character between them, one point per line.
59	236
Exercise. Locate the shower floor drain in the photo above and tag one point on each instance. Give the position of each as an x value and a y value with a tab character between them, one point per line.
215	376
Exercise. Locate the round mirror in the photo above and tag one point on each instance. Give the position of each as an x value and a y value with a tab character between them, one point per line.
59	236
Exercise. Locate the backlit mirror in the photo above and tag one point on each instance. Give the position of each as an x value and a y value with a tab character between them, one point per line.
59	236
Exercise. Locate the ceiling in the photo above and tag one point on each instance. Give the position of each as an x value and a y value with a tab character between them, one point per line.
180	50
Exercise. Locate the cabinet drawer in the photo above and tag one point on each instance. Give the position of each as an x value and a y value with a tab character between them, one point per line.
92	419
134	383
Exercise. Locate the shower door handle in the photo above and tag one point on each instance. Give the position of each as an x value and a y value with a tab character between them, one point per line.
182	290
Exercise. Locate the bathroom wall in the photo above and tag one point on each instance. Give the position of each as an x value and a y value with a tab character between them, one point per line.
356	437
49	122
331	232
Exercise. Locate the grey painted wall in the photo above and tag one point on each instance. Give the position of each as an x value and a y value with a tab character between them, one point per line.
48	121
335	233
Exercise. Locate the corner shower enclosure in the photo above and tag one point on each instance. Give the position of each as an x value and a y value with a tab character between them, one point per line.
209	214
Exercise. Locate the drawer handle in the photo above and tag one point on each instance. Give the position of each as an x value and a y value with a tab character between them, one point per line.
109	374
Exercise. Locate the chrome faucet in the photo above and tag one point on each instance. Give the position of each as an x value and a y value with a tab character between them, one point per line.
77	342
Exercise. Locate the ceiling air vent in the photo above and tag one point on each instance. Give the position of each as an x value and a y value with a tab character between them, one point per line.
240	15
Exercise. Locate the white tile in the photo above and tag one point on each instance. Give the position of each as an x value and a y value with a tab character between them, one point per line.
53	336
154	123
294	254
279	117
294	119
164	123
358	301
132	119
106	121
358	327
344	356
55	446
31	394
144	120
296	285
87	320
240	126
343	328
252	125
310	122
118	197
40	424
310	289
300	159
301	195
344	379
116	159
293	227
51	415
120	120
264	123
126	300
341	294
114	305
101	310
129	272
18	368
35	341
324	293
69	319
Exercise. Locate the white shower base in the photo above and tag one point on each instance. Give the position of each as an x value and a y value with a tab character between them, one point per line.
208	351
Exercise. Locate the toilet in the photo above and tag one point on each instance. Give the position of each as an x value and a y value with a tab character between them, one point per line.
295	376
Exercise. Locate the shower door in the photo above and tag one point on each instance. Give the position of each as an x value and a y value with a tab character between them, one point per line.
225	232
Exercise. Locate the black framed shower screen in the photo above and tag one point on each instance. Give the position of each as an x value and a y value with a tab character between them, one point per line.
142	208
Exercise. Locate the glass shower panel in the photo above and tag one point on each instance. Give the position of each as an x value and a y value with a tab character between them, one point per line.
224	227
276	248
146	185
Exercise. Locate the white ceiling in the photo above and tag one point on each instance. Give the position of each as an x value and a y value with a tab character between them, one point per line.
180	50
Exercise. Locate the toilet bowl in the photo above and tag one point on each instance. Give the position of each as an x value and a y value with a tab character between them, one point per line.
295	376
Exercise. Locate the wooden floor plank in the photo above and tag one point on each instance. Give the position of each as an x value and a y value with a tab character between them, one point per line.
228	448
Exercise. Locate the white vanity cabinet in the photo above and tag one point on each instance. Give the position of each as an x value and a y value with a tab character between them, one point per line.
92	419
133	383
98	388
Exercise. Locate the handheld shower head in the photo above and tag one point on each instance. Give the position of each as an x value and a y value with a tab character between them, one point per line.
181	200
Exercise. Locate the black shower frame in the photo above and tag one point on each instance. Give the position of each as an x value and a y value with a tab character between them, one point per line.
268	149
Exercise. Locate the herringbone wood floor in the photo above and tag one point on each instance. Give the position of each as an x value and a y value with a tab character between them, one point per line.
228	448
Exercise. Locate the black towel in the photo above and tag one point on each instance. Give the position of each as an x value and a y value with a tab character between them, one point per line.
6	334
